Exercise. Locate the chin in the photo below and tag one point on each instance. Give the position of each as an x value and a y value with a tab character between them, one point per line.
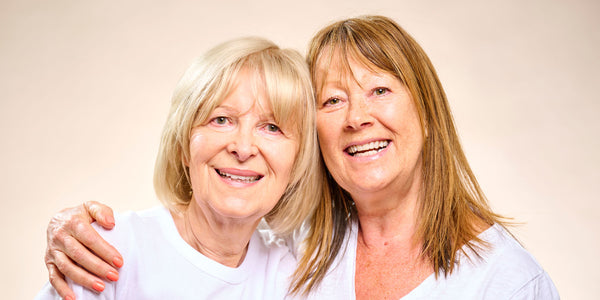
241	211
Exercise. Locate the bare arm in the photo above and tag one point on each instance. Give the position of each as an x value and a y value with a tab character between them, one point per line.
77	251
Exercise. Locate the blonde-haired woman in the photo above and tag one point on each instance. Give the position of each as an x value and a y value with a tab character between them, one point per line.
239	144
403	215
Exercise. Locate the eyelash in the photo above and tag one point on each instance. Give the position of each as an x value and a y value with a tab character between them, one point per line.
384	90
216	120
379	91
328	101
268	126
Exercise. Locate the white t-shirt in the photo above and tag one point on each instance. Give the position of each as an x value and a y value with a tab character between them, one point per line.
159	264
505	271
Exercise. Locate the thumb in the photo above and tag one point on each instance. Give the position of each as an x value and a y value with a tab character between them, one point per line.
103	214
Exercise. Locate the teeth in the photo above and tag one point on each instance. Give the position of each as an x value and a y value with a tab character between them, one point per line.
367	149
246	179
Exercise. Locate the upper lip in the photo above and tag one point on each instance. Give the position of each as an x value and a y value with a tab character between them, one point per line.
239	173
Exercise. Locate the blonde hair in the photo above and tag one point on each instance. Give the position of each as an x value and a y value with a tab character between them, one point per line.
452	203
203	87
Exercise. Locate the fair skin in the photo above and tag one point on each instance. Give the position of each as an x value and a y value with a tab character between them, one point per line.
240	164
371	140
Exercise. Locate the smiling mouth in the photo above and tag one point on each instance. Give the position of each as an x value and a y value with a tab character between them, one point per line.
239	178
367	149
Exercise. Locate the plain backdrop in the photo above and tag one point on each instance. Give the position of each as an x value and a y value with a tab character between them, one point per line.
85	87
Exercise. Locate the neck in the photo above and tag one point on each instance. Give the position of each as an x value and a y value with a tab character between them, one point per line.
224	241
389	217
396	224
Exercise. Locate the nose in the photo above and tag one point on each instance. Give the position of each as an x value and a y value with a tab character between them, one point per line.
358	115
243	145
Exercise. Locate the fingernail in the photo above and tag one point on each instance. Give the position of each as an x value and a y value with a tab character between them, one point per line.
110	220
98	286
69	298
118	262
112	276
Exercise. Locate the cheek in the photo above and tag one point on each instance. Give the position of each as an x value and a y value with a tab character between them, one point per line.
281	156
203	147
326	131
410	138
196	153
403	119
326	146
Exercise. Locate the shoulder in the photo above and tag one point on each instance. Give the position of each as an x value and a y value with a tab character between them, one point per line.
126	223
505	255
271	254
272	247
135	232
505	267
338	282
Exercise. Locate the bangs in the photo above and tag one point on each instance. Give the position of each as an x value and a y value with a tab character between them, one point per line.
284	88
286	92
216	91
341	56
365	45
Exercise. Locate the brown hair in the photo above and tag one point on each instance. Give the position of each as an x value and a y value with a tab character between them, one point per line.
452	205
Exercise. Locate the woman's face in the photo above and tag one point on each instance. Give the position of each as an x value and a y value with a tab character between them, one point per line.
240	159
369	132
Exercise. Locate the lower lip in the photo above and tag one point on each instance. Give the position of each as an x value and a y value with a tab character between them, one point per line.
236	183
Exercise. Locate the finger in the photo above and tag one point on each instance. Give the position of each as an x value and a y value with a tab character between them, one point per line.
101	213
57	280
91	239
88	260
76	273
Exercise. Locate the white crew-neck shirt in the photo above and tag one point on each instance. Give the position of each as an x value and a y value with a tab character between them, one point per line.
159	264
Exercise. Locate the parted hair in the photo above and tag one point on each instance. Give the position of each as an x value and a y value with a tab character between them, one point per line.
285	78
452	205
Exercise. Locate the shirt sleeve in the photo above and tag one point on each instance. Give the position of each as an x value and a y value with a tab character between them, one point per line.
540	287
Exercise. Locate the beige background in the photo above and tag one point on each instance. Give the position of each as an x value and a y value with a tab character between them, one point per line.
85	87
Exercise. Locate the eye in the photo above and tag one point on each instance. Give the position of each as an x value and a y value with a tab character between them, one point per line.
220	120
272	128
380	91
332	101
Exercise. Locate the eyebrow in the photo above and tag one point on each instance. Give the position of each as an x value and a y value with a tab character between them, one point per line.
225	107
232	109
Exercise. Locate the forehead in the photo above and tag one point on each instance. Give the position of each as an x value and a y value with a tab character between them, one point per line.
341	66
246	91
